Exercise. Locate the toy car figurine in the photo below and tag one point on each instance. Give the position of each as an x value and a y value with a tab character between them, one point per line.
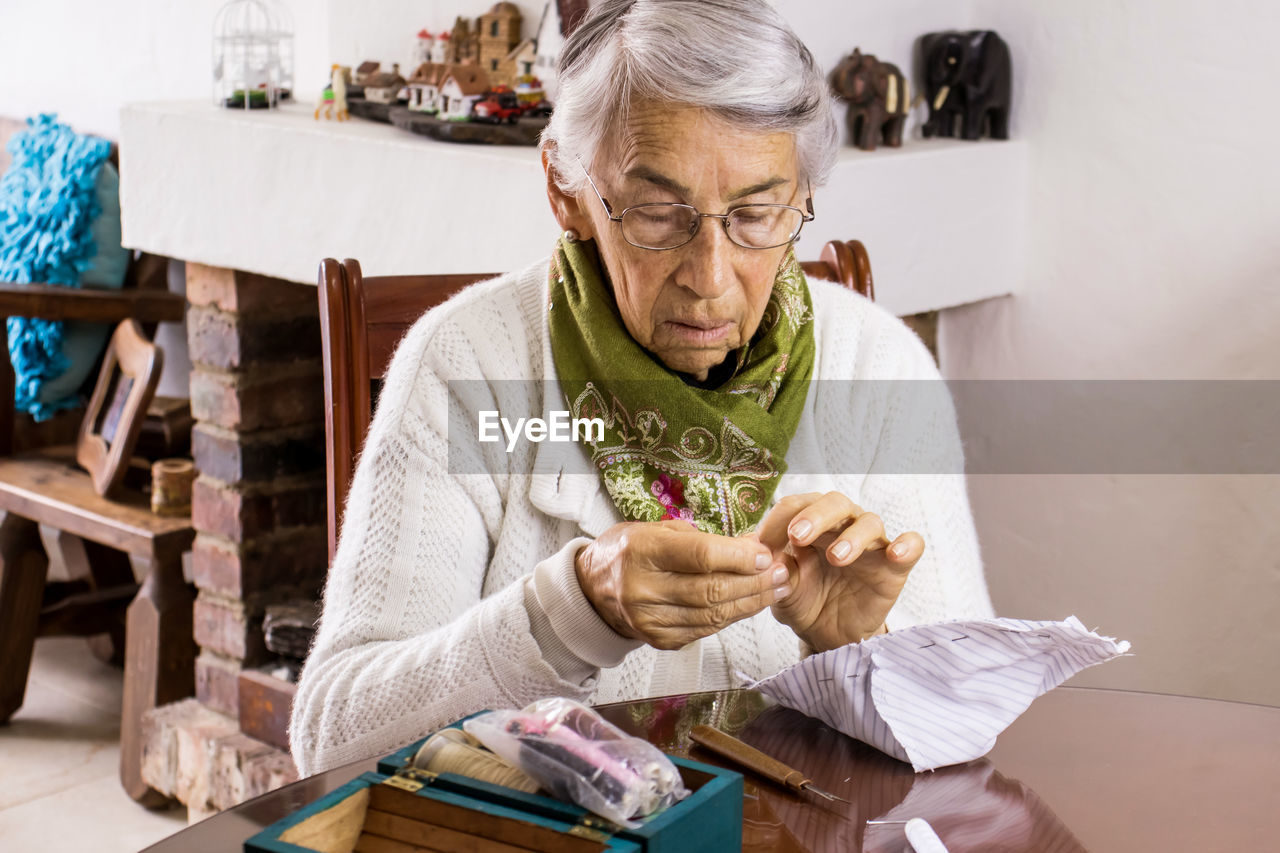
501	104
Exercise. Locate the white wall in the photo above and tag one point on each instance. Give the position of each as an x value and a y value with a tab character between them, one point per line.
1153	220
83	59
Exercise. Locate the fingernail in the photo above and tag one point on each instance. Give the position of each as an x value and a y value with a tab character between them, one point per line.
899	550
801	529
780	575
841	550
781	593
763	561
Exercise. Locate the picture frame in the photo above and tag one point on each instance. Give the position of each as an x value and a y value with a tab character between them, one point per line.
126	384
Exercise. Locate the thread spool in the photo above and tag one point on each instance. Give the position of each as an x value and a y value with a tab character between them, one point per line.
455	751
171	481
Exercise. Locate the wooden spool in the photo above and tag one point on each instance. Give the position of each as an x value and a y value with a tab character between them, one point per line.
171	481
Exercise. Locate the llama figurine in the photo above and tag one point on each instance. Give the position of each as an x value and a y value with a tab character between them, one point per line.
334	97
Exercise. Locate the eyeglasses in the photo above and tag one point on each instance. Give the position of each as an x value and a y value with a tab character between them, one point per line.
668	225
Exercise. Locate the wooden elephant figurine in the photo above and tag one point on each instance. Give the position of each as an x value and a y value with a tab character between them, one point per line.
878	97
969	77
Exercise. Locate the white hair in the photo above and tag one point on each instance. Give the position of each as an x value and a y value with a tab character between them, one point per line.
738	59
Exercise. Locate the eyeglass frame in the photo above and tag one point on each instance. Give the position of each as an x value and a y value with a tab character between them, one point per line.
723	217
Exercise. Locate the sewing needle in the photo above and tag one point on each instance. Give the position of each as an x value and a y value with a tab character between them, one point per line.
919	832
753	759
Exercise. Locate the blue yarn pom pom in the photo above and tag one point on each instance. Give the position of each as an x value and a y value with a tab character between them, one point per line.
47	207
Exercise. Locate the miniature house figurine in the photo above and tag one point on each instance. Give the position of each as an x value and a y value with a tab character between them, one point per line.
252	54
365	70
384	87
440	49
426	43
559	19
464	43
464	85
517	63
424	86
499	31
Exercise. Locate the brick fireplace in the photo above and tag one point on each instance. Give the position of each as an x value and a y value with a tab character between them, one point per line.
258	507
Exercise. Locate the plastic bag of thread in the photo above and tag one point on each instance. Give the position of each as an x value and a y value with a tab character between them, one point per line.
576	755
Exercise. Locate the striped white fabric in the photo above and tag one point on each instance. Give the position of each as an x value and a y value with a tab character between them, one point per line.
939	694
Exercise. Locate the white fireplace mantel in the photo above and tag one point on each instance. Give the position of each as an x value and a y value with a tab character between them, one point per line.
273	192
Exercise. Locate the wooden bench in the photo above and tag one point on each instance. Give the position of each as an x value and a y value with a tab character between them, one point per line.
46	487
96	537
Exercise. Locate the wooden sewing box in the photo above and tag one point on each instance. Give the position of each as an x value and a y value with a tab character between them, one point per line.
401	809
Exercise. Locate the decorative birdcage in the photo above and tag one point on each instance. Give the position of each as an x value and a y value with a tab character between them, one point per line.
252	54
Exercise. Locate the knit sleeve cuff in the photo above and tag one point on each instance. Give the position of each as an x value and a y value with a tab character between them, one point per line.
573	638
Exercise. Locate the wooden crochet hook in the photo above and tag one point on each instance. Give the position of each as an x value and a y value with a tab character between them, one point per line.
756	761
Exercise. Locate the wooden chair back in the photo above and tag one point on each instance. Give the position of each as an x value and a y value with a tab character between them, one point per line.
362	321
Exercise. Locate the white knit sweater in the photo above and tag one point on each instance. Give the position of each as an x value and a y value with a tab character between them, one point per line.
452	592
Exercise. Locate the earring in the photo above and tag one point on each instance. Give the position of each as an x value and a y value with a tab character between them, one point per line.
570	236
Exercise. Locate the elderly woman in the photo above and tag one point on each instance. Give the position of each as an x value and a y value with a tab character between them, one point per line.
735	514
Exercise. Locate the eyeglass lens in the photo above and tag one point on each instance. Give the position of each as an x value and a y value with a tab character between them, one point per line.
667	226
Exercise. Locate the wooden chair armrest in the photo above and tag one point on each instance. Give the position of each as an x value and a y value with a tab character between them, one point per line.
52	302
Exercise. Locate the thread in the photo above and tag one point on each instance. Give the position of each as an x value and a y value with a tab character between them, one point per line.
455	751
171	481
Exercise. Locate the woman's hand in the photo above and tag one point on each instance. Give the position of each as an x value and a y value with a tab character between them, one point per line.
668	584
845	572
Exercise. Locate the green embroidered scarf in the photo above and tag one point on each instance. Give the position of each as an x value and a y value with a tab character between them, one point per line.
711	457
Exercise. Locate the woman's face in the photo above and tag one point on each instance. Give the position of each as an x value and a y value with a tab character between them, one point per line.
694	305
